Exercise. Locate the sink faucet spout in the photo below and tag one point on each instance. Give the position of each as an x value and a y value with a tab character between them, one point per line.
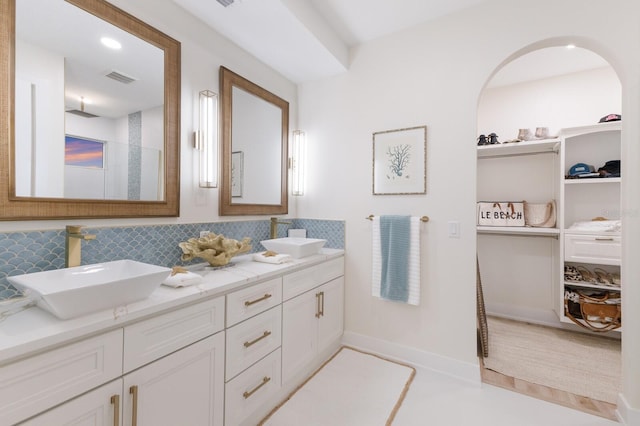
273	229
73	245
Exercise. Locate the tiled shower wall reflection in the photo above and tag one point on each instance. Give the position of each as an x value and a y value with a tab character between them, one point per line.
34	251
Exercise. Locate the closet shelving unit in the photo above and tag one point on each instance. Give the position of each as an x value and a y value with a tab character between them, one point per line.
588	198
544	164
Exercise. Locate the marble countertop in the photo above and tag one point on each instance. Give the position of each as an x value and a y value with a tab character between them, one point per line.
25	332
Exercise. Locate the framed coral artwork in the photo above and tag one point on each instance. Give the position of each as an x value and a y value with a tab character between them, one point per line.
400	161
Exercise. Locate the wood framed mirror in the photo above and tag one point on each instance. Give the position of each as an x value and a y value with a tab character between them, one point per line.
255	135
151	176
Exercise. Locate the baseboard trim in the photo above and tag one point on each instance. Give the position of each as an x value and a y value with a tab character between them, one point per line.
625	413
466	371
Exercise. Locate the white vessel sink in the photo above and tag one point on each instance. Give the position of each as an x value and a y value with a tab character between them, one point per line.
80	290
296	247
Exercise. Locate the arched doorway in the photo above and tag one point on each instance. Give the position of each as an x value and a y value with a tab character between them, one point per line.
560	89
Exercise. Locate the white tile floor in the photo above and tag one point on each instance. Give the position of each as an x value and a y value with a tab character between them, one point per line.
438	400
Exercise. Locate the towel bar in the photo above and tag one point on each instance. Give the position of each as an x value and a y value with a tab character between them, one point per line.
422	219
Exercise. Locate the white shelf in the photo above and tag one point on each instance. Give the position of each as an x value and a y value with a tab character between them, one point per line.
592	181
593	128
584	284
519	230
519	148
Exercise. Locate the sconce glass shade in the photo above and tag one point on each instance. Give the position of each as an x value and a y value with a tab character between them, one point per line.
298	154
207	139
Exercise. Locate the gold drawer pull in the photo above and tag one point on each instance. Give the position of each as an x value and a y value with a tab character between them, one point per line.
318	309
253	342
251	302
133	390
115	400
604	238
265	380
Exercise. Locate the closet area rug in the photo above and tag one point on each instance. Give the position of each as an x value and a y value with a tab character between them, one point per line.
352	388
573	362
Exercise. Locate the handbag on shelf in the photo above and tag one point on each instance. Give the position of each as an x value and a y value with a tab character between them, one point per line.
540	215
595	311
500	213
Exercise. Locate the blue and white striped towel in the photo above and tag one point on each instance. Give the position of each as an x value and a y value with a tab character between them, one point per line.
396	258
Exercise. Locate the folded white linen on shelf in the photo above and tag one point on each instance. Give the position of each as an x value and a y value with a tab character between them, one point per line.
597	225
182	279
272	258
396	258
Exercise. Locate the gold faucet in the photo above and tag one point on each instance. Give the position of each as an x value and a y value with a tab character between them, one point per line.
273	229
73	245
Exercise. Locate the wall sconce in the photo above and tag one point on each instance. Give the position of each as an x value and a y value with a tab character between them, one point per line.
206	139
298	154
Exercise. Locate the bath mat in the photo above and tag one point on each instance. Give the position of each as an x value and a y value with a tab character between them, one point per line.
352	388
578	363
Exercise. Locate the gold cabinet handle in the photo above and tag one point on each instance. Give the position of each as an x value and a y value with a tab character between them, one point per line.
317	305
115	400
265	380
133	390
322	304
267	333
251	302
604	239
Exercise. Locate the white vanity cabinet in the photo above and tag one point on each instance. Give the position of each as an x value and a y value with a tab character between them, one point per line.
173	366
214	355
100	407
184	388
184	385
40	382
312	317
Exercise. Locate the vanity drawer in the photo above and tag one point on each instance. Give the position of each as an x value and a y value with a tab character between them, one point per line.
248	302
599	249
252	339
35	384
302	281
154	338
251	389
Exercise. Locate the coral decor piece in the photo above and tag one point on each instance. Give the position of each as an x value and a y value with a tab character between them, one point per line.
215	249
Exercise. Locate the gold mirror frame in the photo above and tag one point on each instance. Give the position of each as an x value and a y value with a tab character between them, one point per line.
229	80
27	208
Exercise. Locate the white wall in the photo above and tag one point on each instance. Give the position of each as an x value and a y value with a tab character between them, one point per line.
577	99
39	91
434	75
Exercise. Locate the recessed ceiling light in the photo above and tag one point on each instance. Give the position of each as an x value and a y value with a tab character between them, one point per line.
571	46
110	43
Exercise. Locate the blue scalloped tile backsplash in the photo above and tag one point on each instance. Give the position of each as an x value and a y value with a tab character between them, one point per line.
35	251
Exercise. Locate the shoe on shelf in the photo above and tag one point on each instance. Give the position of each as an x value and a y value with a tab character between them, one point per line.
542	133
587	275
525	135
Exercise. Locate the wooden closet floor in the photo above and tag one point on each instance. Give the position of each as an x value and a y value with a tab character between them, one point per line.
546	393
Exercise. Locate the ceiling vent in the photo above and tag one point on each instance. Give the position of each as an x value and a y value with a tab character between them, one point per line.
122	78
225	3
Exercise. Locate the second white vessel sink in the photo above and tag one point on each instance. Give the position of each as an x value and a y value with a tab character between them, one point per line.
296	247
71	292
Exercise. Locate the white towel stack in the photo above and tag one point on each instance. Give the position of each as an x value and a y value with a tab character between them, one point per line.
274	259
182	279
414	260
